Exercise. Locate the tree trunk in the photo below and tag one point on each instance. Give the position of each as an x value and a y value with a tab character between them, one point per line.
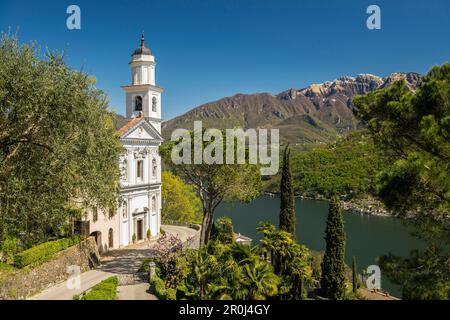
207	223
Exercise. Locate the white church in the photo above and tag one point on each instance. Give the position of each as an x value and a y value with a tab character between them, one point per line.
139	213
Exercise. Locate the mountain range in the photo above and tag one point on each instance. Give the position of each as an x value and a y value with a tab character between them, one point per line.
312	115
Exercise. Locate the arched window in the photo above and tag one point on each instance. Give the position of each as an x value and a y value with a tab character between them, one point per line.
124	210
154	102
154	204
154	168
138	103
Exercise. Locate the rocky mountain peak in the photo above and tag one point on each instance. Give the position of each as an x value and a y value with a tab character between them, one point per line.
312	114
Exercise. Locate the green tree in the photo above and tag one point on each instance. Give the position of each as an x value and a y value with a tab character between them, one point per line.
423	275
413	129
333	265
228	271
259	280
58	143
287	199
289	259
223	230
354	276
180	203
214	183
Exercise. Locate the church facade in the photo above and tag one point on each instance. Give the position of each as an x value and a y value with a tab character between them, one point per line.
138	215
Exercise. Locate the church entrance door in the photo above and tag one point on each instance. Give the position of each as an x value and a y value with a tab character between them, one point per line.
139	227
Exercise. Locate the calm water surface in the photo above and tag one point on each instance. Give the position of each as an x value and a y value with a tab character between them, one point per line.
367	237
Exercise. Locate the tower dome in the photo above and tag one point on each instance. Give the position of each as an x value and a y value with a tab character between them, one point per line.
142	50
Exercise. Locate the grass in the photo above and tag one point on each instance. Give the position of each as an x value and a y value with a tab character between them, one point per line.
105	290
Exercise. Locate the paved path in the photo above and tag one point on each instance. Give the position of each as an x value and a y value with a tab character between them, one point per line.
122	263
138	291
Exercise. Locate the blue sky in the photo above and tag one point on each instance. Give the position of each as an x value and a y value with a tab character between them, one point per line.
207	49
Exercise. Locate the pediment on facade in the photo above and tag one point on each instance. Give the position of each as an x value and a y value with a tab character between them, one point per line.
143	130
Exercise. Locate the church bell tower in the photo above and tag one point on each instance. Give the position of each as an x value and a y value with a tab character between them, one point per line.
143	96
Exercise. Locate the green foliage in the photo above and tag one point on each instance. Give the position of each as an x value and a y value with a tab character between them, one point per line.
9	248
347	167
105	290
414	128
223	230
354	276
160	290
145	266
290	260
213	183
423	276
57	142
181	204
287	199
227	271
6	267
133	238
333	265
43	252
167	256
148	233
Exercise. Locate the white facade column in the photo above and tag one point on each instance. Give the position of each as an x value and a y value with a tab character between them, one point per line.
130	220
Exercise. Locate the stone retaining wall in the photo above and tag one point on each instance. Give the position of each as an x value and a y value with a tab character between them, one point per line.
29	281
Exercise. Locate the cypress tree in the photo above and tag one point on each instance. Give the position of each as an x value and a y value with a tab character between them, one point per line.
354	275
333	266
287	201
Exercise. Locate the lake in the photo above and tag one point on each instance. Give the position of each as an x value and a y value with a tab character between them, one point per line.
367	237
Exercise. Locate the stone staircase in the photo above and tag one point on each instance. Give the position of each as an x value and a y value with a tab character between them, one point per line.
132	279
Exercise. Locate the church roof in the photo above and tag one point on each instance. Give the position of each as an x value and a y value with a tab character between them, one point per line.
120	121
123	125
142	49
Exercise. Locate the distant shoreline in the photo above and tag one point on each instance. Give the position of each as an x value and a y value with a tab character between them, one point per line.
368	206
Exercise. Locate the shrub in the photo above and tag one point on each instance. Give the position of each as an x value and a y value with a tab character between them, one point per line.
105	290
4	267
145	266
167	251
148	234
160	290
43	252
9	248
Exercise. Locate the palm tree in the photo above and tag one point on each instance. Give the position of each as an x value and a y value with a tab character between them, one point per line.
267	230
244	253
259	280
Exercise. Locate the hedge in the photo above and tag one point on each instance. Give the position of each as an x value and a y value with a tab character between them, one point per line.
43	252
105	290
161	291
